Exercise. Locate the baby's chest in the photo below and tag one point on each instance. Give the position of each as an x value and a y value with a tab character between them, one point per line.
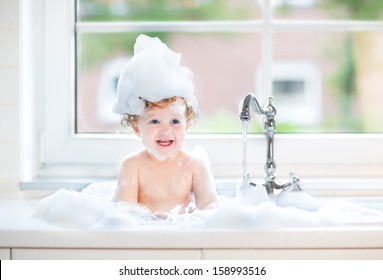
165	183
166	175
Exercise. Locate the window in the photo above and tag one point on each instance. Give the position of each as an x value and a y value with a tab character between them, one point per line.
297	89
307	54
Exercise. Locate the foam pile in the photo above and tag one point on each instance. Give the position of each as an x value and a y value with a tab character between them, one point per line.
92	209
153	73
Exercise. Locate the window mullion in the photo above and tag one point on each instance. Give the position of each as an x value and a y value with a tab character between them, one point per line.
169	26
329	26
265	89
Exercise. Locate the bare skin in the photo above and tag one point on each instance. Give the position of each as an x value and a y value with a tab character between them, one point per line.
164	176
163	185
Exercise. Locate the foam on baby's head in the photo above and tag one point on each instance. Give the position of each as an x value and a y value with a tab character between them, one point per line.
152	74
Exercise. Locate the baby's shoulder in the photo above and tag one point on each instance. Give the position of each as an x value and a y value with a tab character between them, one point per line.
133	160
193	161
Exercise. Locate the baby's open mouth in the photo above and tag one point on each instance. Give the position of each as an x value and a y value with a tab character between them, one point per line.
165	143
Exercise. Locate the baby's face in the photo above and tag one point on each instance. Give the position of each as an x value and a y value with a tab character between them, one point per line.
163	130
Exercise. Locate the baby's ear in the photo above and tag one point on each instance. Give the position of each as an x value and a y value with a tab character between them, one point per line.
136	129
190	123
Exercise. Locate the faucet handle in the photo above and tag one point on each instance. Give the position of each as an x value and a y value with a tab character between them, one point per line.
269	110
294	177
295	181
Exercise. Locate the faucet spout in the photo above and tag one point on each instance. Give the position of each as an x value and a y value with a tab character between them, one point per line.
249	99
244	108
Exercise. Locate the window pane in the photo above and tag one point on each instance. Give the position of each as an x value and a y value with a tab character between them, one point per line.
328	9
330	83
224	66
165	10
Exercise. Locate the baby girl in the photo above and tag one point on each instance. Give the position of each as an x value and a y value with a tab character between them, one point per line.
156	99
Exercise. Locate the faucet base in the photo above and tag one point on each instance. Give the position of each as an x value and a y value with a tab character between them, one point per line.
294	184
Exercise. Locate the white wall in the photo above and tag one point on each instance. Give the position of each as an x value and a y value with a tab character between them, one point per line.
10	65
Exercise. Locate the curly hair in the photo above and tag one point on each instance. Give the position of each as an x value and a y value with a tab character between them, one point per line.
128	120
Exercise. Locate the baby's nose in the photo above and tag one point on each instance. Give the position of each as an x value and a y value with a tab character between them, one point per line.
165	131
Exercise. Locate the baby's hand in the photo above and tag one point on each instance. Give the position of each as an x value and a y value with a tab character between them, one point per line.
161	215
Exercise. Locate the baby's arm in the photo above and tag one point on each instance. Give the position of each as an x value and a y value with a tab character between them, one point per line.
204	186
127	183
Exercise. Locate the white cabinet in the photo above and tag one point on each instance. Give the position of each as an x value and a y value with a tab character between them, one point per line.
5	254
104	254
293	254
191	254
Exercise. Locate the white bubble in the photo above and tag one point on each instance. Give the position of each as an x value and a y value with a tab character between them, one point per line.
92	209
153	73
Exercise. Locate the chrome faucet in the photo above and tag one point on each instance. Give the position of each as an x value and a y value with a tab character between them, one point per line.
269	112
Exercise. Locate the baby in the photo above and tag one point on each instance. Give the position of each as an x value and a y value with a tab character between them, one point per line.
155	96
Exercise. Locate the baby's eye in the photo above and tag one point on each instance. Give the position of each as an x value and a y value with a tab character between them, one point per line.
154	121
175	121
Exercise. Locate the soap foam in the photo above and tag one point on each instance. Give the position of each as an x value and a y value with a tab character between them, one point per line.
153	73
93	209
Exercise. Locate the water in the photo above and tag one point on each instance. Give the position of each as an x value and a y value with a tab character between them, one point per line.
246	193
245	177
244	133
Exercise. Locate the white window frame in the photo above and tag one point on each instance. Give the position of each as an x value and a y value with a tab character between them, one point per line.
51	150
